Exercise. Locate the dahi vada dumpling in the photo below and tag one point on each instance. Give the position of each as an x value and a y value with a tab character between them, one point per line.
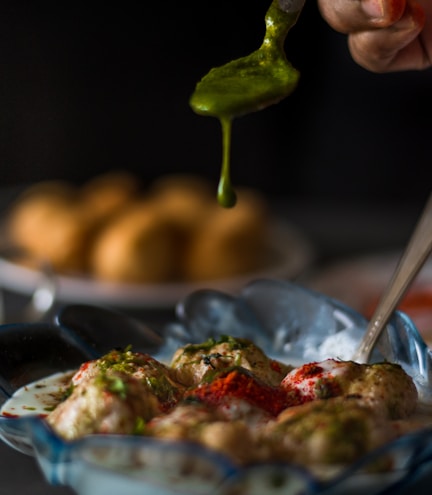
137	246
48	224
230	241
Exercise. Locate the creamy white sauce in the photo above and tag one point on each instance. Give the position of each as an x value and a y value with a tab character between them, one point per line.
37	398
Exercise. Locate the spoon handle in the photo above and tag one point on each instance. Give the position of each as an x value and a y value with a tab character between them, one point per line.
291	6
416	253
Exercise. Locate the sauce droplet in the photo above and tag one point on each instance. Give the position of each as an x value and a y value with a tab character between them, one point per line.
226	194
249	84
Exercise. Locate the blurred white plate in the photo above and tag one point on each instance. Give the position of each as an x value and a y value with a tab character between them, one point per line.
289	254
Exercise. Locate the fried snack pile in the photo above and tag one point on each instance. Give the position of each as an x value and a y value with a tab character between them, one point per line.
113	229
228	395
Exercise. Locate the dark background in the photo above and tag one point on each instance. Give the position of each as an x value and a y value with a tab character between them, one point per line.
88	87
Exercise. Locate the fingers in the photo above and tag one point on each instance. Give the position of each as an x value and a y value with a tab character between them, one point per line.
347	16
383	35
397	47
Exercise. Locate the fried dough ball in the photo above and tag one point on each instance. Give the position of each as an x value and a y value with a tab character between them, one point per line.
108	193
184	234
230	241
184	199
48	224
137	246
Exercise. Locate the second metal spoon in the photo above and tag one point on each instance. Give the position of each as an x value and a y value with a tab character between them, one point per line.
416	253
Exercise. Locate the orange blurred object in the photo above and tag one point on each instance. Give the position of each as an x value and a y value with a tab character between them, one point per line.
417	304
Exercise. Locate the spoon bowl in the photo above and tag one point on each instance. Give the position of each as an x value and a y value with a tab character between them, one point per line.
257	80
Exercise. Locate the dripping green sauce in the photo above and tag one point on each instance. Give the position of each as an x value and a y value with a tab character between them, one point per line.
246	85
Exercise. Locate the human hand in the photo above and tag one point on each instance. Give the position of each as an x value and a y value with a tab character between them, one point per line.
384	35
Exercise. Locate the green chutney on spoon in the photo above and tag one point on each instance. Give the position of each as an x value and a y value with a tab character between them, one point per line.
249	84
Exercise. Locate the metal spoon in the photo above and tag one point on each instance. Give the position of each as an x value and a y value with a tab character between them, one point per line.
414	257
255	81
249	84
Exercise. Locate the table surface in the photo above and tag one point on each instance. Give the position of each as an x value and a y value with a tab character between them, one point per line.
335	230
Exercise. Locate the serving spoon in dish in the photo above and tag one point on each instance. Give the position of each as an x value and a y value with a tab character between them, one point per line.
416	253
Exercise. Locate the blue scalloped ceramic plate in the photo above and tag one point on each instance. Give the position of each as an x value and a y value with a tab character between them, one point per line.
287	321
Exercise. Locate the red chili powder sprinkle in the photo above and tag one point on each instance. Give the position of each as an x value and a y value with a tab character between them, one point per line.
275	366
9	415
310	382
310	370
82	368
243	386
